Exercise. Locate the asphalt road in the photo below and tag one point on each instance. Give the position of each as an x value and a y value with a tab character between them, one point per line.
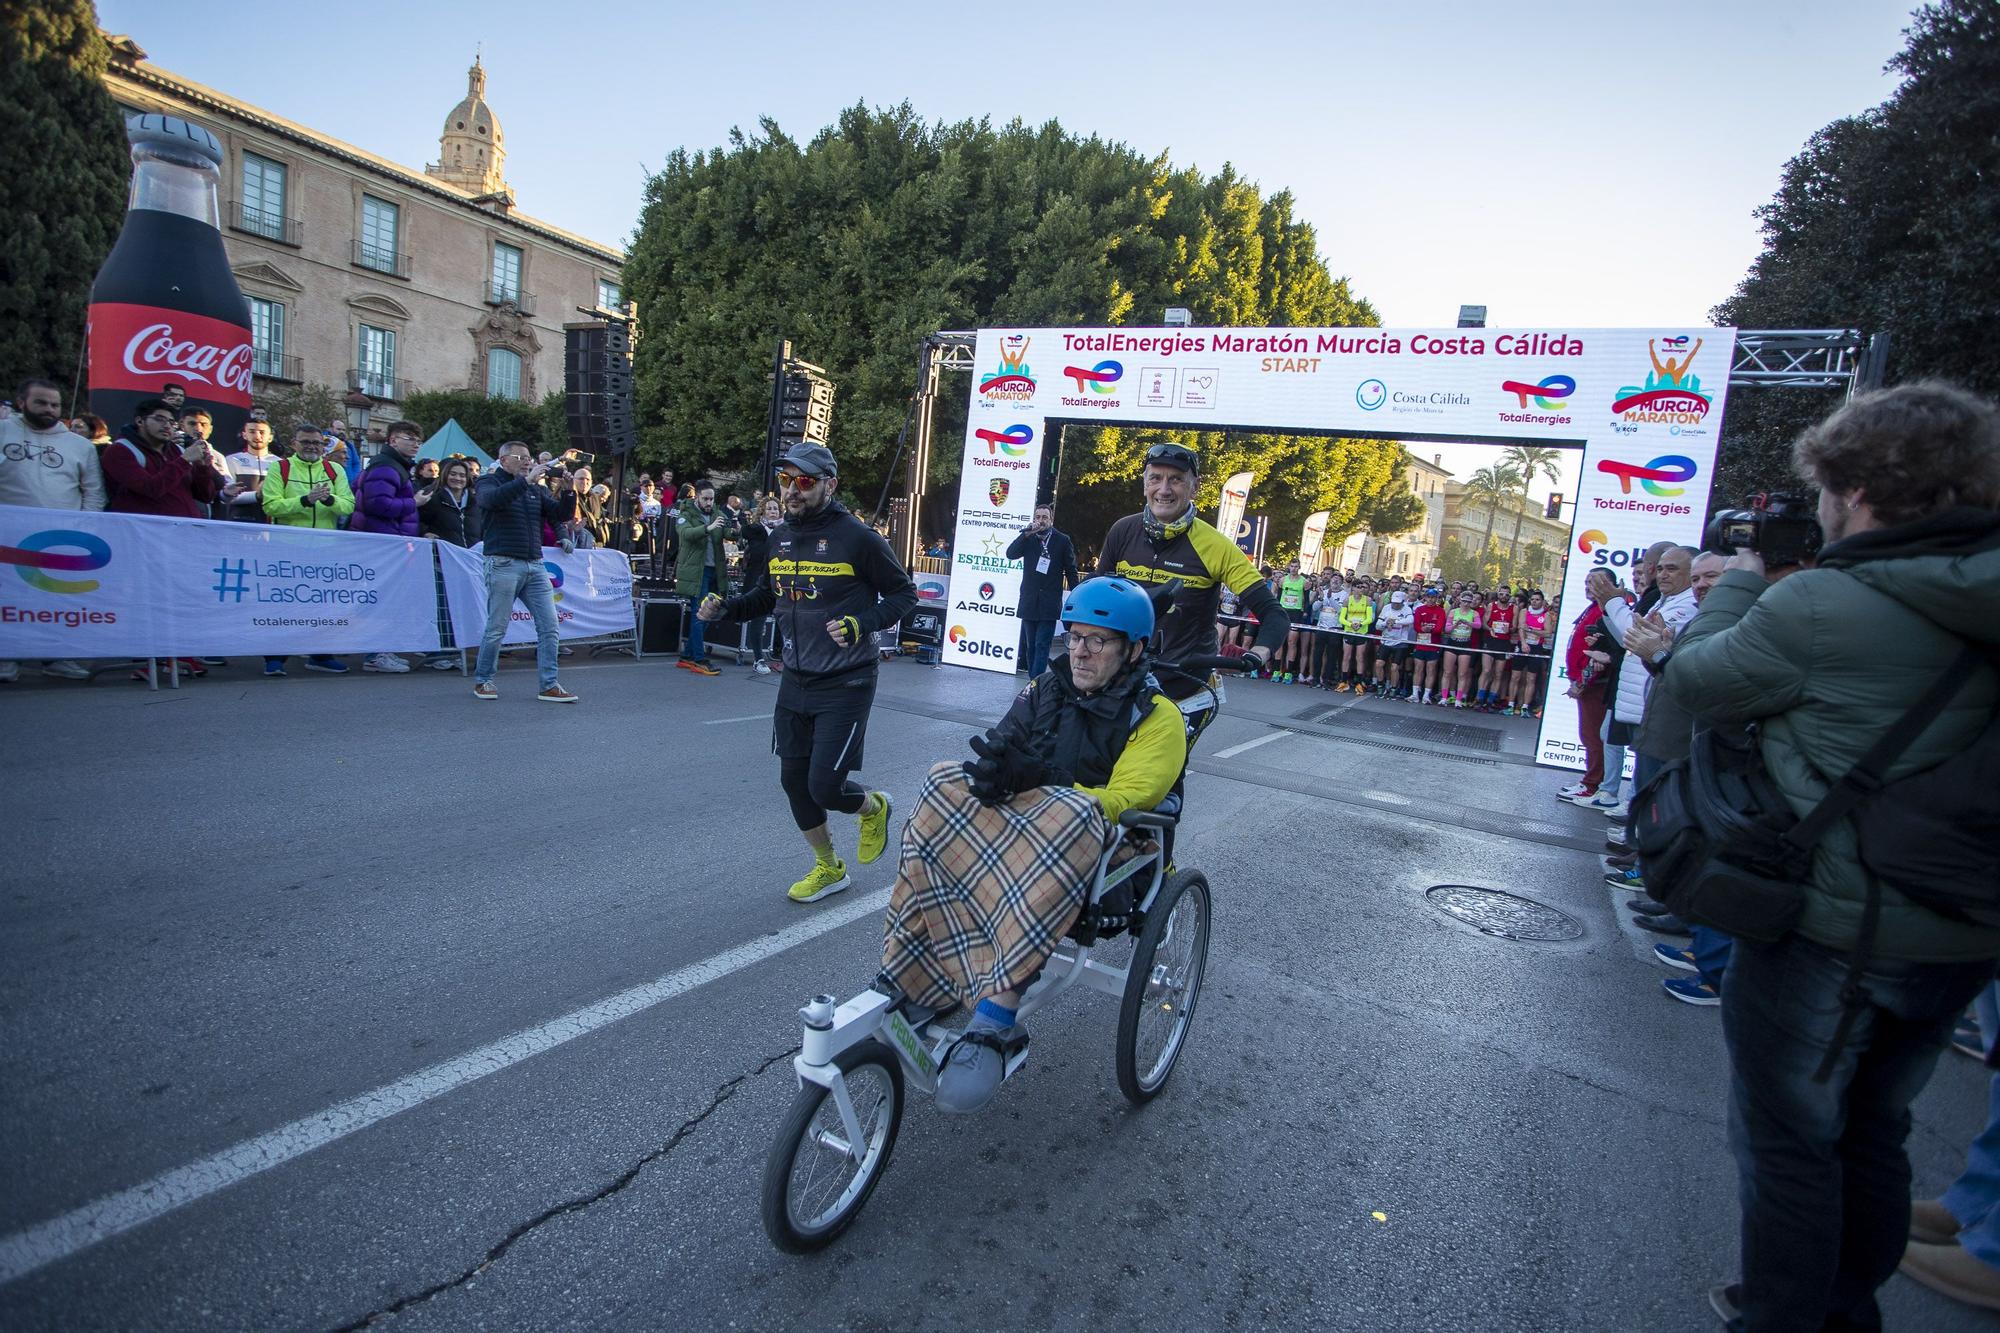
325	1001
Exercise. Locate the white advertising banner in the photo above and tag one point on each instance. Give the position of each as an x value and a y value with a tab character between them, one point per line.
84	585
1645	406
1310	538
1235	499
593	591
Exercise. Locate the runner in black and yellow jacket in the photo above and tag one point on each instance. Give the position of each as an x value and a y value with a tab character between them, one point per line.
1165	541
832	583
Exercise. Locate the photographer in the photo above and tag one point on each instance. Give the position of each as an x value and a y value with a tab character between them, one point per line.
1826	661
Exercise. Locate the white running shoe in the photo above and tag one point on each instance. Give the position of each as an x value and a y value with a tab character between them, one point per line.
388	662
66	669
1574	789
1584	799
761	667
1618	813
1605	803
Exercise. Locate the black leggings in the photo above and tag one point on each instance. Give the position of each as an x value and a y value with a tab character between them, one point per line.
813	789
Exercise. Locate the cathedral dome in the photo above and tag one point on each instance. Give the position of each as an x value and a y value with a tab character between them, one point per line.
470	150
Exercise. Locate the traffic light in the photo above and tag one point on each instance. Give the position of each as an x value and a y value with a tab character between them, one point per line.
805	409
1555	507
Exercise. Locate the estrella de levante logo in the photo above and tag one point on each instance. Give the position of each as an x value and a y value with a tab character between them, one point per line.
1670	468
1099	378
1013	382
43	551
1551	394
1587	542
1013	441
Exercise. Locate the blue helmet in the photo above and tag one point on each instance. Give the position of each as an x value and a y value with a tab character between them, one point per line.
1112	603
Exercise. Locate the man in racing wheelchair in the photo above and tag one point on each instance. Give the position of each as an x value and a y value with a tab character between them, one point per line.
1001	850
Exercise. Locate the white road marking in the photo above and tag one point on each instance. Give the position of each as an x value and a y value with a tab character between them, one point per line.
1386	797
60	1237
1235	750
747	717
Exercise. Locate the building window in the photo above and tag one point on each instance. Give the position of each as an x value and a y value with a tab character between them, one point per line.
267	337
263	197
376	362
379	221
609	297
503	373
506	273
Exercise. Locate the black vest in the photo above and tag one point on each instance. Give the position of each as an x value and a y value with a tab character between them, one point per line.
1088	733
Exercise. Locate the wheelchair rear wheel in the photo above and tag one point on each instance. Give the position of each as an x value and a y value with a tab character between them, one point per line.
1162	985
815	1182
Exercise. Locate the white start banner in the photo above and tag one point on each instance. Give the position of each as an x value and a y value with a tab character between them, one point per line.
83	584
593	594
1644	405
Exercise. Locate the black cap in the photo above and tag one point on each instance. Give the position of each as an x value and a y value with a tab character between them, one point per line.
815	460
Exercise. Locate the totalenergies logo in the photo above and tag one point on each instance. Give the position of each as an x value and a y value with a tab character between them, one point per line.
1550	394
1013	441
1667	468
1590	541
1098	378
1013	382
555	578
38	552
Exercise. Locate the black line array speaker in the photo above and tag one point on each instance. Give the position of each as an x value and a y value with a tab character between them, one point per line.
597	387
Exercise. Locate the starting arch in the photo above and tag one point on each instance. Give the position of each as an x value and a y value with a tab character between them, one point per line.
1644	405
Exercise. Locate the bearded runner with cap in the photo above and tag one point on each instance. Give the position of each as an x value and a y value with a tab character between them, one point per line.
832	582
1165	541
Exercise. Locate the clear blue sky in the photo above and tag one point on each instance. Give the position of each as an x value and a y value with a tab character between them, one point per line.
1563	164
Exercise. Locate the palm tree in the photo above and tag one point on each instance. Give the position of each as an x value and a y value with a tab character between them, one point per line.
1489	484
1526	460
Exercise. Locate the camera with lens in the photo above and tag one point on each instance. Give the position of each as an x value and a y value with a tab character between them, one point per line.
1783	529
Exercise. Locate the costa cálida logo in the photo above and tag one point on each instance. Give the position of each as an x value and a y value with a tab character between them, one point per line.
140	348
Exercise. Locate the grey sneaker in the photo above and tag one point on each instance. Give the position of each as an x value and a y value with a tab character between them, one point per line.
978	1062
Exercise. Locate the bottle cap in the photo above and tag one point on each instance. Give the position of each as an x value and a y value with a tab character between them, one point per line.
176	135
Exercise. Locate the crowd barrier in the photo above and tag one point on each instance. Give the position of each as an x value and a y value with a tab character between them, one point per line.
92	585
1344	635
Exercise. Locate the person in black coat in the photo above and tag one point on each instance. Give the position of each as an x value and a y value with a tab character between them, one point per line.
452	513
755	535
1048	570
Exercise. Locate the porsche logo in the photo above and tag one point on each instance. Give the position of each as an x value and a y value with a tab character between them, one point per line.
996	491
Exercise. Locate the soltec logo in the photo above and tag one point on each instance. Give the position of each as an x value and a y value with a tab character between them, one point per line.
1371	394
1098	378
1667	467
957	634
38	552
1590	541
1551	394
1013	441
1598	547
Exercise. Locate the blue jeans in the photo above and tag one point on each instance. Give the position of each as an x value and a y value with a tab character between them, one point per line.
1823	1181
1974	1198
1614	755
697	642
1035	637
509	579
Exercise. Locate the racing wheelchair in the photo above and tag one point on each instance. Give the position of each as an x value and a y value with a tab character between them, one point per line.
858	1059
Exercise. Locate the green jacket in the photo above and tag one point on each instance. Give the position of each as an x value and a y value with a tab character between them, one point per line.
1829	658
695	537
290	478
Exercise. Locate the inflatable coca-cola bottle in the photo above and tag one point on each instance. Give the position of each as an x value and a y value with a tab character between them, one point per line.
165	308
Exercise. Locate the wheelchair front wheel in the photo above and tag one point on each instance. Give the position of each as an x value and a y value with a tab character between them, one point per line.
815	1182
1162	985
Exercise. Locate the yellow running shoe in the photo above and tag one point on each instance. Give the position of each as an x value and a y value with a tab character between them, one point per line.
820	882
874	829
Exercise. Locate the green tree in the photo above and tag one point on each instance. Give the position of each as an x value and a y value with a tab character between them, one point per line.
1455	563
1528	460
885	228
1888	221
66	163
490	422
292	405
1488	486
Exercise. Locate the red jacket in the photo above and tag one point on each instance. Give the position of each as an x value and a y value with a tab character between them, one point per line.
142	481
1573	658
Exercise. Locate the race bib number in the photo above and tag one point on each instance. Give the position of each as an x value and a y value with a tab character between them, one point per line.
1426	638
1532	639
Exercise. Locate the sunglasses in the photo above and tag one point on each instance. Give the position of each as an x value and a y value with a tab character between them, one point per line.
797	481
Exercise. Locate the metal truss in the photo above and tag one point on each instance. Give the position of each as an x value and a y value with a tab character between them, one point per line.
1808	359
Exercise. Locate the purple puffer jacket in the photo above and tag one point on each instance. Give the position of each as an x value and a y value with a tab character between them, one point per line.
386	502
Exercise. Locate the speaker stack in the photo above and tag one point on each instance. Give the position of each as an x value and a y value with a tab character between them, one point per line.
597	384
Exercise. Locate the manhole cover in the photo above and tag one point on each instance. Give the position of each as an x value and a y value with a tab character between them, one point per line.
1507	915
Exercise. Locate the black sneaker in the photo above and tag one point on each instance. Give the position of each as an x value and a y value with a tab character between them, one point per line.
1727	1301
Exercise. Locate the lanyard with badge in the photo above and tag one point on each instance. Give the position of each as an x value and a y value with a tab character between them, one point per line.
1042	565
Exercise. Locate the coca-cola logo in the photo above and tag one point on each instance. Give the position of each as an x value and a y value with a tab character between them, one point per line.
154	350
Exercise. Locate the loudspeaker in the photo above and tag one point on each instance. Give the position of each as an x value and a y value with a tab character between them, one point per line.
597	385
660	625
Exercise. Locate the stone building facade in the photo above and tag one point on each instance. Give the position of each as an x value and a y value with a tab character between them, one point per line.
1409	553
365	274
1465	518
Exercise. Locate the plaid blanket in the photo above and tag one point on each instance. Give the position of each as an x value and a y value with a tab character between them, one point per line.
984	893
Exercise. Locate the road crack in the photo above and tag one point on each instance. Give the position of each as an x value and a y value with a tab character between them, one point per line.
723	1092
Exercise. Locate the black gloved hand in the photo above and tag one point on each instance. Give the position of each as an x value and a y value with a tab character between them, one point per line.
1004	769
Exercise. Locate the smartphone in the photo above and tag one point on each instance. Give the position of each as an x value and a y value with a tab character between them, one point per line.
581	458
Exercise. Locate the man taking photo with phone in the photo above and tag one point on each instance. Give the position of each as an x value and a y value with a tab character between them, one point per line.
515	507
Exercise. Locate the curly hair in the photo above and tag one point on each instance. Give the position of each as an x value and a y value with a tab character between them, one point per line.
1911	451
